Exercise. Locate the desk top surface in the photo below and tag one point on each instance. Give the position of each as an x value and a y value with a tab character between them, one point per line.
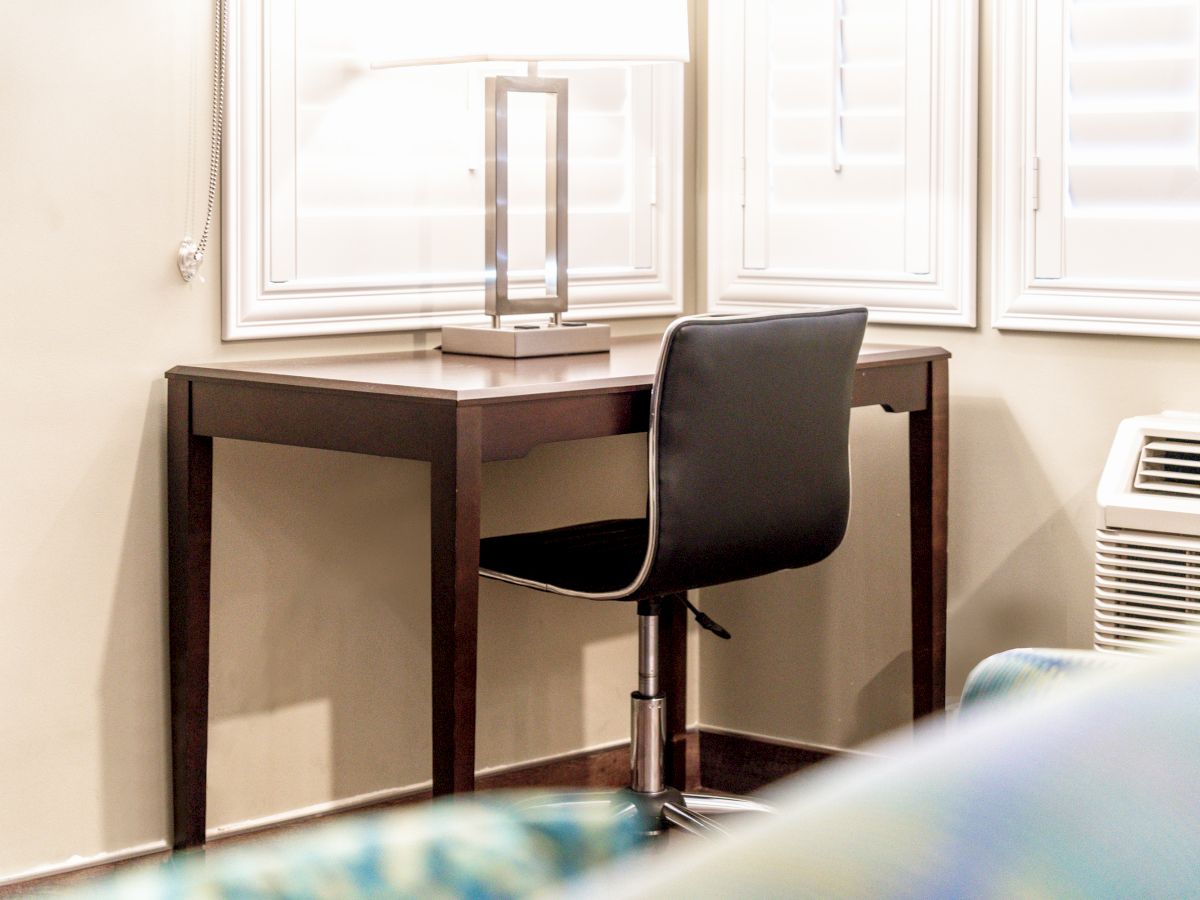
430	374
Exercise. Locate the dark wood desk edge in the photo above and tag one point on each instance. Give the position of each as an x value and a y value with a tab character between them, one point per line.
898	354
302	383
225	373
469	397
293	410
930	351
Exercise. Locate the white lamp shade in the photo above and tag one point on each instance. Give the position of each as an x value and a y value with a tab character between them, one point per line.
453	31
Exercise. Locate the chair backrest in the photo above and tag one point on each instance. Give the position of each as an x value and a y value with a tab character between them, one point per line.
749	445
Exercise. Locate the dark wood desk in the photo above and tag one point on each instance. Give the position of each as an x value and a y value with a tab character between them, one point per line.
458	412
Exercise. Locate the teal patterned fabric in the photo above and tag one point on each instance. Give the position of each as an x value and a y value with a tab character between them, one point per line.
1088	791
1034	670
489	846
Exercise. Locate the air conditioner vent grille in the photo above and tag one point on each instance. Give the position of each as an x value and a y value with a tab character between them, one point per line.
1169	466
1147	589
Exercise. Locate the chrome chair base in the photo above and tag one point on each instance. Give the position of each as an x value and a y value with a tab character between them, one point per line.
648	798
691	812
669	807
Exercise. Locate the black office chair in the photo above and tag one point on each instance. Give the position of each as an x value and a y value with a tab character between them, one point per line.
749	474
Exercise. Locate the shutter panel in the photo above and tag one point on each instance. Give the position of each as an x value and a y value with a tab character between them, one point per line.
838	136
355	195
387	165
841	156
1118	141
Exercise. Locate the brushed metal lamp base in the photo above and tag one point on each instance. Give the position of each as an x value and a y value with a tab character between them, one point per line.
524	340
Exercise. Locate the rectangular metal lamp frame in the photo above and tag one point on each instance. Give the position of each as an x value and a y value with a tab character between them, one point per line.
498	302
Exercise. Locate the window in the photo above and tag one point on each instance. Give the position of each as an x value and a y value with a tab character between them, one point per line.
354	196
1097	143
842	156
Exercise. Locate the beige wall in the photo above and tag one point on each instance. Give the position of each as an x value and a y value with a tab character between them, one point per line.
320	679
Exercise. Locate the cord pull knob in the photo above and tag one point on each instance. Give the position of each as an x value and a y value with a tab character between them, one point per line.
189	260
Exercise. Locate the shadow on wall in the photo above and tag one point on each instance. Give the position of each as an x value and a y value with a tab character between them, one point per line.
320	678
135	775
555	672
820	655
883	702
1019	574
320	628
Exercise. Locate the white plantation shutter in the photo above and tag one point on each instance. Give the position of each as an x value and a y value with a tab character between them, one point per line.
1104	135
372	180
828	155
850	126
1118	148
383	199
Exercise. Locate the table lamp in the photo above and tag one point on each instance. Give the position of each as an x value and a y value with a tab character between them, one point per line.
534	31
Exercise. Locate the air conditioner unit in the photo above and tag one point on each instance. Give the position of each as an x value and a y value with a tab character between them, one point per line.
1148	544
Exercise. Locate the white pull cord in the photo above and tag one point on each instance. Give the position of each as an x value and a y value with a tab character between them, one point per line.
191	253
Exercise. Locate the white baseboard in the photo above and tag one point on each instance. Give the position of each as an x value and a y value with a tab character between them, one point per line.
771	739
316	810
76	863
552	758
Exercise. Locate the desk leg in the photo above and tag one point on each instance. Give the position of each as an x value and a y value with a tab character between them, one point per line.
672	650
928	455
456	479
189	542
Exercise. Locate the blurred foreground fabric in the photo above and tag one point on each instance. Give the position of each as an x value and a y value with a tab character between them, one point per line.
1067	775
493	845
1076	778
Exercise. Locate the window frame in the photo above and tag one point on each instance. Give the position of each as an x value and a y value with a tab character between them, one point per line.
947	296
1021	301
252	308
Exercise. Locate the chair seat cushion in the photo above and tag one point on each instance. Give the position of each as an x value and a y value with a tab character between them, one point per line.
593	558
